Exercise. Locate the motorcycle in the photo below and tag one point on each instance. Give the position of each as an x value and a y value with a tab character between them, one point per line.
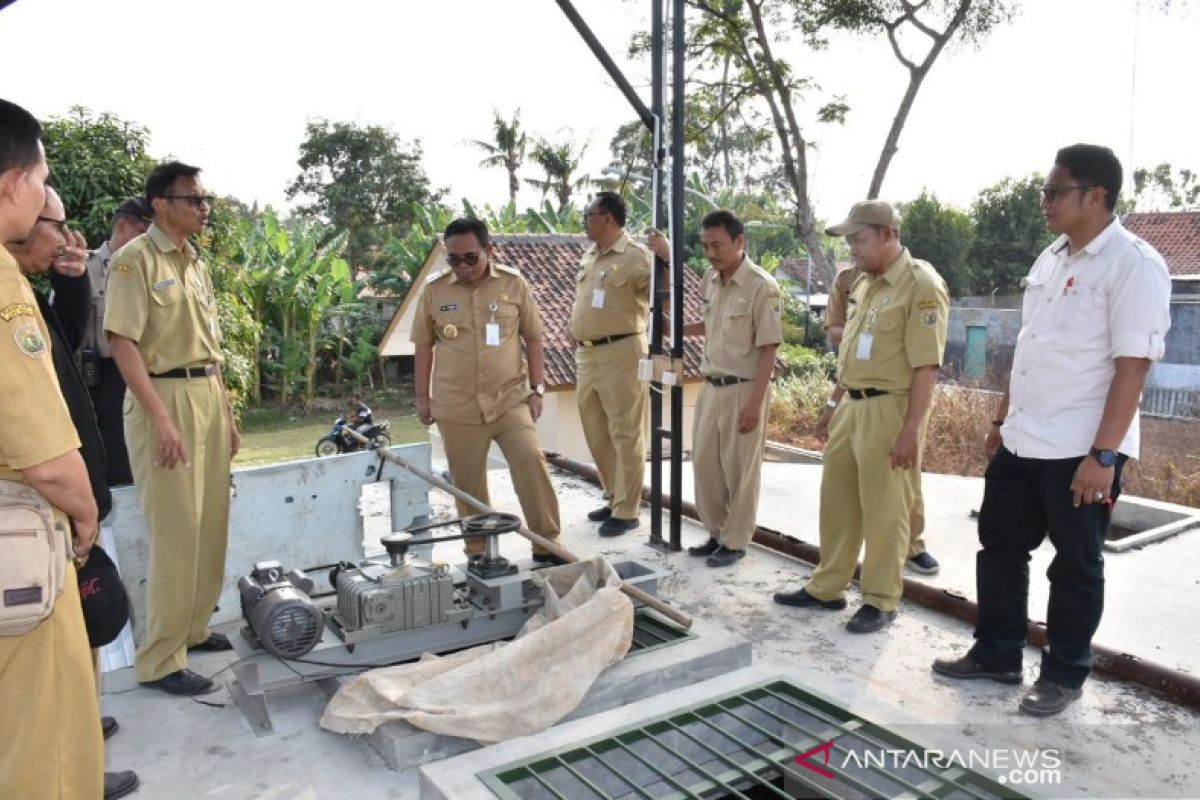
336	441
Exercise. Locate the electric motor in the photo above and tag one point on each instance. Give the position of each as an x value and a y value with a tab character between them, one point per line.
281	615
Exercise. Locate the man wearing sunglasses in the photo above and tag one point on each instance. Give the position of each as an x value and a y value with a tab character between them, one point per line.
476	315
79	301
162	327
608	322
1095	317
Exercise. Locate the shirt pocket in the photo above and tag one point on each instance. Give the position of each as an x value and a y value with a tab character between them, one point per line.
167	296
508	317
1084	309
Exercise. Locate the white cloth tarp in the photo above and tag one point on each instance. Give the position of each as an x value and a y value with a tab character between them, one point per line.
498	691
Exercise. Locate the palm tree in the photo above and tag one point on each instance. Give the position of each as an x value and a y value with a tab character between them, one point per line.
507	150
559	162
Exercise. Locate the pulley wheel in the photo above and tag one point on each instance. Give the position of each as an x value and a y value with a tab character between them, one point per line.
489	524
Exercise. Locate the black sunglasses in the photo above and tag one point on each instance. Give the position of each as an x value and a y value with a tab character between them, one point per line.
193	200
470	259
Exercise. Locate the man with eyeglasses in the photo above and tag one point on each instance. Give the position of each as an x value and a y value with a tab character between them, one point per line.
875	419
79	301
1094	318
162	327
919	559
608	323
476	315
44	252
50	740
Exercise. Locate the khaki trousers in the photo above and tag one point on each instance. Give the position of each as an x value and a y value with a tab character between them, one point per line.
187	511
727	465
916	523
50	741
612	410
466	447
864	499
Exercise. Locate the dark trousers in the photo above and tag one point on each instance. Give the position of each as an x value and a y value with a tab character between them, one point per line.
109	400
1024	500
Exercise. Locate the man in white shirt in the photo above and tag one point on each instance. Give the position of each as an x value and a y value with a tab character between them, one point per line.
1095	316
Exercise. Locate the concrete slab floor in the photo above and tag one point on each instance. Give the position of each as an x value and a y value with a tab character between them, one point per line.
1118	740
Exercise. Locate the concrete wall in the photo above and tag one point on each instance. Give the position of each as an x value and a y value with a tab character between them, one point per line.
1183	340
1002	324
303	513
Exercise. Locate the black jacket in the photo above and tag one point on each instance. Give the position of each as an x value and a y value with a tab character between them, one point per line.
79	404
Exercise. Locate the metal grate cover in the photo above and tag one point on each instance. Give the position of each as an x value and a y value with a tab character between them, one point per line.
652	631
744	745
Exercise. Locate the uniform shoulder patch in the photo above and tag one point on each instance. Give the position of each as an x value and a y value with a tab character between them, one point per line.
29	339
508	269
122	267
927	305
9	312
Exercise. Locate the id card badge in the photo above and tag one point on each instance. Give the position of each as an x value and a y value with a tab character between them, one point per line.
865	341
597	298
491	334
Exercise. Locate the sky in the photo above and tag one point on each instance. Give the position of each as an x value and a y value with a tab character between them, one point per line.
229	86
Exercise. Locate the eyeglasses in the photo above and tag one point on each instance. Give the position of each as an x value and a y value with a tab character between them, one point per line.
1050	192
193	200
587	214
470	259
61	224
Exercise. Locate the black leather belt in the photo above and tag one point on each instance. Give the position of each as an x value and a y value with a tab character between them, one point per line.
186	372
606	340
725	380
863	394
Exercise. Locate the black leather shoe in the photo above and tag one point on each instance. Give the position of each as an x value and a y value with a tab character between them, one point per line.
108	726
600	514
869	619
119	784
215	643
706	549
1047	698
967	668
549	558
802	599
615	526
724	557
184	682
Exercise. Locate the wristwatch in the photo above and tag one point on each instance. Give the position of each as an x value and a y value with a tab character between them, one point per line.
539	389
1106	458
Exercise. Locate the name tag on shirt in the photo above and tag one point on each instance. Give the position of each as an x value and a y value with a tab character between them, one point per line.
597	298
166	283
491	334
865	341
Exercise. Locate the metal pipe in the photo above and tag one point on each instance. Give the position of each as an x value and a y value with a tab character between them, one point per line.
657	90
678	117
546	544
606	61
1180	687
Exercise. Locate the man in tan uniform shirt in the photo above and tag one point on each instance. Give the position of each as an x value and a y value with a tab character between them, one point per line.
475	317
887	366
50	743
162	326
743	327
919	559
608	322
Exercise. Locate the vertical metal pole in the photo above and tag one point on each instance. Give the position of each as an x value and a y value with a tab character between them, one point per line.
657	75
679	44
807	299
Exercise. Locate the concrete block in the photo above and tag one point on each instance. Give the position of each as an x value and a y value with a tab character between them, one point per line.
712	650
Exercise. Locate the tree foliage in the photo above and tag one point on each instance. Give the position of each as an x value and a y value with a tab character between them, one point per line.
1165	189
560	162
1010	233
507	148
97	161
941	235
363	180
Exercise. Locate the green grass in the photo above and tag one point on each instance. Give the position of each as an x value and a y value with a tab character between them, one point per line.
270	435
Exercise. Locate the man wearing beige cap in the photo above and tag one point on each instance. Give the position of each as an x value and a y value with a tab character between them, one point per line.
887	369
